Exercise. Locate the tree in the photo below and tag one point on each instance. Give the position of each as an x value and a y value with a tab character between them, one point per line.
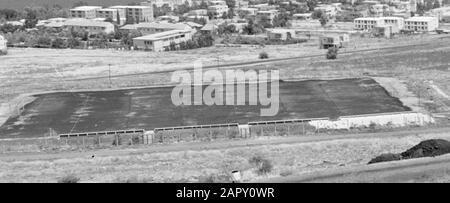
311	4
224	16
317	14
332	53
109	20
44	41
323	20
31	18
173	46
118	18
73	43
436	4
58	43
203	5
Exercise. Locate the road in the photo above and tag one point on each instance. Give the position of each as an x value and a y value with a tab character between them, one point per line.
429	169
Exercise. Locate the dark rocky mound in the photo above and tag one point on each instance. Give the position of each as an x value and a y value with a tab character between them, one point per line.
428	148
385	158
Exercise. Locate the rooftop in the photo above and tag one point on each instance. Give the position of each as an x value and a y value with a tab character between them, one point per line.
86	8
163	25
162	35
87	22
421	18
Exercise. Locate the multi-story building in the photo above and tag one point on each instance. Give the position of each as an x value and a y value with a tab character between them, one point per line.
162	41
328	10
136	14
217	2
440	12
171	3
396	22
113	14
91	26
87	12
421	24
268	16
378	9
367	23
218	11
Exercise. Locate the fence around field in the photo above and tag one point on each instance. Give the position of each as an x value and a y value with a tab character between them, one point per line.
206	133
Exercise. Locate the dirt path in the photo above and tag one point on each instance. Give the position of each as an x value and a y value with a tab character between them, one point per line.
430	169
200	146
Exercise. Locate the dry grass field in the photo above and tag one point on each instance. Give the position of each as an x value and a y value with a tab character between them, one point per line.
423	69
207	165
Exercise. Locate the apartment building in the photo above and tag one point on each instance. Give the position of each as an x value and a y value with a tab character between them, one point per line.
88	12
136	14
266	15
367	23
328	10
171	3
218	10
397	23
113	14
162	41
421	24
217	2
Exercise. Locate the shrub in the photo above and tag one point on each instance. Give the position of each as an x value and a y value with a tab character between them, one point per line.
263	55
263	165
332	53
69	179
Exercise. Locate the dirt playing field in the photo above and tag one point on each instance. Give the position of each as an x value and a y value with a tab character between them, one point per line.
151	108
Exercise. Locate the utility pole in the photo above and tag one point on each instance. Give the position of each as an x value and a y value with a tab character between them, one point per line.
109	68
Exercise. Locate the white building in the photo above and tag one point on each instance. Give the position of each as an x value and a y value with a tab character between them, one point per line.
217	2
156	27
422	24
328	10
91	26
280	34
137	14
3	47
113	14
171	3
266	15
302	16
87	12
161	41
218	10
367	23
440	12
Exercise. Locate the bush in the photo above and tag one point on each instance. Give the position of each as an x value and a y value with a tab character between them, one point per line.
69	179
385	158
332	53
263	165
263	55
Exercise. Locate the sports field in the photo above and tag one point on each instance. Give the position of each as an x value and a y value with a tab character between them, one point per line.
152	108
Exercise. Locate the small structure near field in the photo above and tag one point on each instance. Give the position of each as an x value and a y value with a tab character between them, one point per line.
3	47
386	31
280	34
338	41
